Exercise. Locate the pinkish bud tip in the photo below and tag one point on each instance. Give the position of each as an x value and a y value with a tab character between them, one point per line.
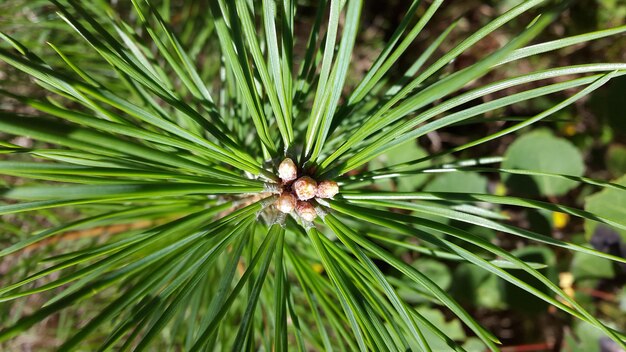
306	211
287	170
327	189
305	188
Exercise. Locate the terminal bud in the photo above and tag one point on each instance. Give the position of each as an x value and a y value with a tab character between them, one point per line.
305	188
287	170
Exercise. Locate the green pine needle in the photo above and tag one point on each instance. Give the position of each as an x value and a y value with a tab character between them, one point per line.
161	128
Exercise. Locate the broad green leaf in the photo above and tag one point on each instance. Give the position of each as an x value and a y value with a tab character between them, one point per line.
586	267
540	150
608	203
402	153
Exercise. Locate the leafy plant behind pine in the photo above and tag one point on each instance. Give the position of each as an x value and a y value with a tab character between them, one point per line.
184	133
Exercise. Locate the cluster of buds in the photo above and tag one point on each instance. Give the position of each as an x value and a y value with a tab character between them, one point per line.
296	192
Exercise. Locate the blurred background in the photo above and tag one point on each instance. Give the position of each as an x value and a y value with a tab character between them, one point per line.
587	138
